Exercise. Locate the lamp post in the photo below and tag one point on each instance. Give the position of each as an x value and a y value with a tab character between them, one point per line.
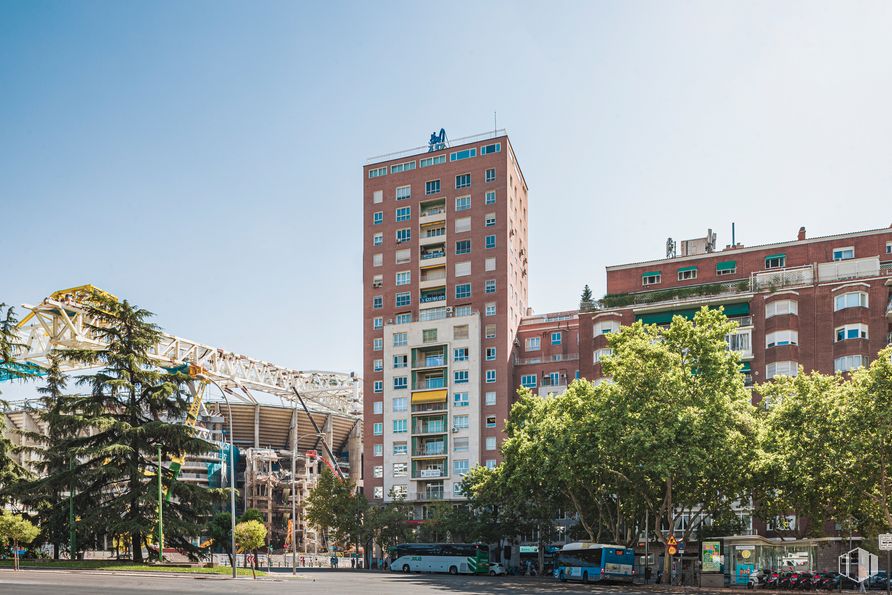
231	474
293	485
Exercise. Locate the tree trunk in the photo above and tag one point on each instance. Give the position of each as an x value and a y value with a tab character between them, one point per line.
15	554
667	561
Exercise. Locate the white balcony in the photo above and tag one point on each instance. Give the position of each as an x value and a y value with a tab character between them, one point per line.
804	275
849	269
432	218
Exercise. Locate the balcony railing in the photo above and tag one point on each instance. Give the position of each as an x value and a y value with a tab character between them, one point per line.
430	473
430	383
434	360
437	211
427	299
431	427
435	233
429	407
429	255
804	275
555	357
429	451
430	494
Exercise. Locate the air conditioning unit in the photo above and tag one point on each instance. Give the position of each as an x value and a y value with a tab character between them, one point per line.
454	429
449	309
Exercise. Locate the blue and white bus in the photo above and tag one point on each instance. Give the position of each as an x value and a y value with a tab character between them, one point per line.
454	558
590	562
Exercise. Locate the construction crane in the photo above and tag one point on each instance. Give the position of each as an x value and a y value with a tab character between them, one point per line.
63	321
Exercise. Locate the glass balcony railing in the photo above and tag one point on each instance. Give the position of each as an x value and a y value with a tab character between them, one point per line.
435	360
429	383
429	449
435	211
429	407
429	255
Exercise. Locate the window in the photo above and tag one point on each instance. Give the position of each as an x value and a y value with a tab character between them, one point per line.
533	344
460	422
556	338
377	428
463	181
378	386
463	247
377	322
432	161
462	203
489	286
462	291
377	344
400	469
463	311
378	365
460	376
728	267
379	492
463	269
490	354
529	380
400	491
377	172
778	338
460	399
460	354
490	421
489	264
490	376
401	167
404	277
400	361
490	443
775	261
465	154
378	471
781	307
460	445
490	463
605	327
489	398
377	197
847	363
493	148
404	318
403	192
400	448
429	335
490	241
377	302
489	331
888	247
687	273
432	187
851	331
652	278
400	382
403	299
490	197
399	426
854	299
377	217
400	404
460	331
462	224
377	260
403	235
378	239
379	450
490	309
554	378
404	213
378	407
403	256
490	220
400	339
781	368
846	253
490	175
600	353
460	466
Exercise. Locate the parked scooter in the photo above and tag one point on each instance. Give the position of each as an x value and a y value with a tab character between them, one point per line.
757	579
773	580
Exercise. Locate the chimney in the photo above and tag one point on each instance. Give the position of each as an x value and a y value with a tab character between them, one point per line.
801	234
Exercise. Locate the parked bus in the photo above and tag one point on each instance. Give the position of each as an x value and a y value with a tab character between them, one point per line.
454	558
590	562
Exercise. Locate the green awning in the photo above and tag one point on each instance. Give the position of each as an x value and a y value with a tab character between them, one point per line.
682	269
741	309
775	256
650	274
726	265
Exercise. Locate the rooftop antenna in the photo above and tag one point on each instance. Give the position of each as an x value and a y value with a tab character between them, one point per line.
495	126
733	236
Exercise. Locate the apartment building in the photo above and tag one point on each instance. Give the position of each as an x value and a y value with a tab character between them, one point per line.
445	287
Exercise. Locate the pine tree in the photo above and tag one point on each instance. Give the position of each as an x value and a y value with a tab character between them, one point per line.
133	409
10	471
586	304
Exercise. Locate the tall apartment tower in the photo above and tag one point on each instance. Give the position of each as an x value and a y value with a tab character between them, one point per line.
445	287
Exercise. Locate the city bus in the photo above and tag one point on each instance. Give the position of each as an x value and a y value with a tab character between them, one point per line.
454	558
590	562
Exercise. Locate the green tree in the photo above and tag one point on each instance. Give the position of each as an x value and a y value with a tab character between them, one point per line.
676	422
586	303
10	471
337	509
219	529
386	525
17	531
250	536
132	410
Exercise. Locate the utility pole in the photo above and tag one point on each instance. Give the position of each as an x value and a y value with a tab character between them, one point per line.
72	530
160	513
293	486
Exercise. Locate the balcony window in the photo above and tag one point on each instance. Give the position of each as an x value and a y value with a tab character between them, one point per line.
740	342
460	354
403	192
400	382
460	377
851	331
463	291
460	399
400	404
854	299
781	307
462	203
432	187
779	338
463	247
651	278
775	261
553	379
846	253
463	181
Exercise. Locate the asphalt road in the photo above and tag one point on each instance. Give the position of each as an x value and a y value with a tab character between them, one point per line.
33	582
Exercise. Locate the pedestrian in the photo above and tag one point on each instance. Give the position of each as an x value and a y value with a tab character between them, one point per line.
353	563
303	561
332	561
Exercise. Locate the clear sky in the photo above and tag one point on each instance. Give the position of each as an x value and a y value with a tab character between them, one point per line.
203	159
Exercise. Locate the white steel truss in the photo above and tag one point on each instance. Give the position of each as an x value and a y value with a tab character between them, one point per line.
62	322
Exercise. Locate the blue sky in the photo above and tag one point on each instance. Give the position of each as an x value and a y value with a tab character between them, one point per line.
203	159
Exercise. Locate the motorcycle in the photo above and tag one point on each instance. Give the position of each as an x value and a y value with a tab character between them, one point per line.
773	580
757	580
